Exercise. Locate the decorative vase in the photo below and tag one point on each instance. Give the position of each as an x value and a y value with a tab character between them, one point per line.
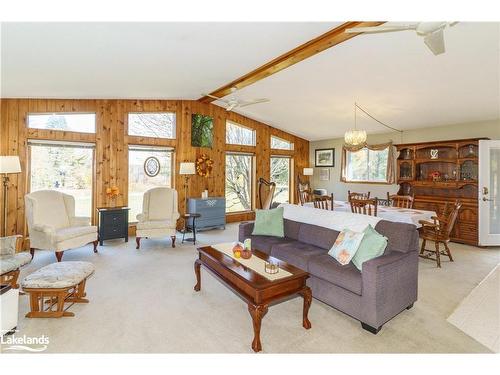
246	254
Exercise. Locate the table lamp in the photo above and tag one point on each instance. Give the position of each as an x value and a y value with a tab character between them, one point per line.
186	169
308	171
8	165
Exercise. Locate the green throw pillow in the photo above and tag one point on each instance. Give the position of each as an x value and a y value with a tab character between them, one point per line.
269	223
372	246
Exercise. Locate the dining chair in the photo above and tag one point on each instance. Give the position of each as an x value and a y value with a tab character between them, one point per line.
324	202
364	206
304	191
401	201
439	231
354	195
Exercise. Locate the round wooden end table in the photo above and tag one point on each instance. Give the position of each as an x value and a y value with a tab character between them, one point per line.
186	218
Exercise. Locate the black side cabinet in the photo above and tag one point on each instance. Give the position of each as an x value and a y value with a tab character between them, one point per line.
113	223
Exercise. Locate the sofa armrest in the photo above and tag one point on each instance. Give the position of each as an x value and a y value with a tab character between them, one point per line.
79	221
390	284
10	244
245	230
141	217
47	229
176	215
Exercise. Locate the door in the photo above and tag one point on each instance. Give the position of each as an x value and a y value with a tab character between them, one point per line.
489	193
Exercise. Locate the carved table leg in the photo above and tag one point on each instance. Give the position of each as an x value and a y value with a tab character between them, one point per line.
197	265
307	295
257	312
95	245
138	242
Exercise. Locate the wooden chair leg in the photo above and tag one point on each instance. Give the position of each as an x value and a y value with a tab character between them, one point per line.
95	245
448	251
438	256
173	240
138	242
59	255
422	249
32	252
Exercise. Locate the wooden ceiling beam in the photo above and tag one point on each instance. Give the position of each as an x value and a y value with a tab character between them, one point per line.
302	52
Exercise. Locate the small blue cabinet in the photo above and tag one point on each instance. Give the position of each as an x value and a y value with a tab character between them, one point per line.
212	211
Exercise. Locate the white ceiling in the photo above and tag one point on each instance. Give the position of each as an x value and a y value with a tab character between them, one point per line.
139	60
392	75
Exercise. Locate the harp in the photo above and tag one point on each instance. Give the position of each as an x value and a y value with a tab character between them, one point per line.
304	192
264	185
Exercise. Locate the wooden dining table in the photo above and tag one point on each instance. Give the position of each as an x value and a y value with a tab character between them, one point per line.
402	215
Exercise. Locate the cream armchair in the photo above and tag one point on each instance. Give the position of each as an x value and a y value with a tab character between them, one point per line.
52	223
11	260
159	215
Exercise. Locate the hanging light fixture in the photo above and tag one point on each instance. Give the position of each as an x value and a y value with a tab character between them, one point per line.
354	136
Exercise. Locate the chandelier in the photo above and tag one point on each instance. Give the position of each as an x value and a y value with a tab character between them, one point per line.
354	136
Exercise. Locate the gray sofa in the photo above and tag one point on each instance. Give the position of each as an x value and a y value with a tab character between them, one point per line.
386	287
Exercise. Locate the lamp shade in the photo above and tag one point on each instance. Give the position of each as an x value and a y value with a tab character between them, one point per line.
308	171
10	164
187	168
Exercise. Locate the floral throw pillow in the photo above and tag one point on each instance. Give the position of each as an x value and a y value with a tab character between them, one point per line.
345	246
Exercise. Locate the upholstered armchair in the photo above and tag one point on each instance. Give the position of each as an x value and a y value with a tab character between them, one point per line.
52	223
159	215
11	260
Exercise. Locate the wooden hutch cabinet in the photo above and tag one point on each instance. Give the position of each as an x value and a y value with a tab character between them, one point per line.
439	172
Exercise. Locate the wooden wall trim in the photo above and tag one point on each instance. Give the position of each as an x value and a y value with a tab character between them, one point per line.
112	141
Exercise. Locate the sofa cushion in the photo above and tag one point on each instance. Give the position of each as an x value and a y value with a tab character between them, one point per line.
161	203
317	236
265	243
292	229
296	253
327	268
7	264
64	234
401	236
269	223
59	275
49	208
372	246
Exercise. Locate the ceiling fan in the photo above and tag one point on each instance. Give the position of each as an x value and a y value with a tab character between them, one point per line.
432	32
233	102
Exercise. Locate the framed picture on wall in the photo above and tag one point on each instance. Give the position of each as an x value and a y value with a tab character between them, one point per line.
325	157
201	130
324	174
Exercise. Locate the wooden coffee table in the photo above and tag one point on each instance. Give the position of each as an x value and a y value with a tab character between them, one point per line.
258	291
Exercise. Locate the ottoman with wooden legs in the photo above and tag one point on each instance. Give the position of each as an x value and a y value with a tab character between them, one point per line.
55	285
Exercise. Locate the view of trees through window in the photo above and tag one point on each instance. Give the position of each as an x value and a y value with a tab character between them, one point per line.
239	135
280	144
157	125
139	182
64	168
238	182
280	174
367	165
75	122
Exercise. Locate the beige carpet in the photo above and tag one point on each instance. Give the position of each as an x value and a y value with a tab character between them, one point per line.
143	301
479	313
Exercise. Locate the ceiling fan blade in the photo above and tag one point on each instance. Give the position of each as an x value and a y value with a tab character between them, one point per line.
255	101
435	42
231	106
382	28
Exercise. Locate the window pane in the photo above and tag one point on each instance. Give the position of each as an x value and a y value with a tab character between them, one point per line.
238	182
156	125
74	122
65	169
239	135
280	174
139	182
367	165
280	144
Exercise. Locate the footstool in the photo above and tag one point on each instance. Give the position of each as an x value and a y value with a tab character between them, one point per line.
57	284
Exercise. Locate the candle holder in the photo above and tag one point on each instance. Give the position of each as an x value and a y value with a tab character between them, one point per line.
271	268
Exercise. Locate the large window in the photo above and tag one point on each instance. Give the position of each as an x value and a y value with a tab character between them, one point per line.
280	174
66	167
75	122
155	125
367	165
239	182
138	179
280	144
239	135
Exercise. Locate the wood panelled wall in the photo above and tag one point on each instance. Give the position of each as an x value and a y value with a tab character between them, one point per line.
111	143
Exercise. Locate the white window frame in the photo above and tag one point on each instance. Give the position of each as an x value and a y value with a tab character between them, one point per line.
61	114
174	130
292	146
254	134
